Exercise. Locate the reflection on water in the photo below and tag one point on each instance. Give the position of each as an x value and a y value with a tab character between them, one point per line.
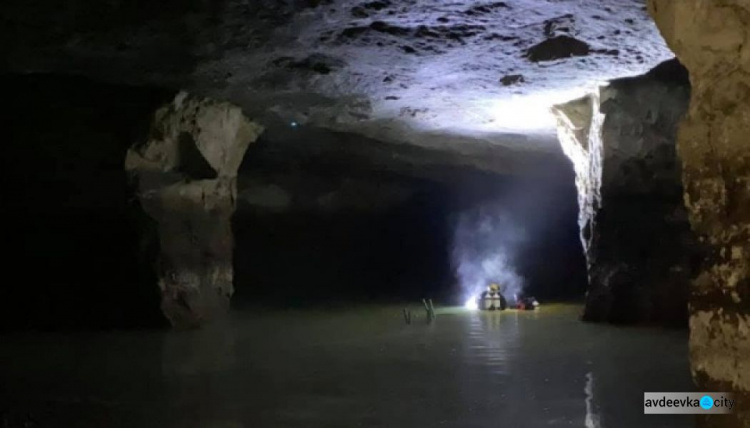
358	368
592	417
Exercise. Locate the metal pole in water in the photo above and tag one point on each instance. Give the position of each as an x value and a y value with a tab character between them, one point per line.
407	316
432	310
427	309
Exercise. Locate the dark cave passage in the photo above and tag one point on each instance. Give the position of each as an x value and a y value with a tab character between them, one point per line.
298	259
348	231
74	230
394	237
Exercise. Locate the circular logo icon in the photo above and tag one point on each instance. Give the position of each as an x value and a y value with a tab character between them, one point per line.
707	402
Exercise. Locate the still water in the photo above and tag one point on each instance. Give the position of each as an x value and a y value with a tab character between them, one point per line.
348	368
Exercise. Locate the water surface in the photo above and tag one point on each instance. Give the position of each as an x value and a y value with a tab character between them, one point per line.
361	367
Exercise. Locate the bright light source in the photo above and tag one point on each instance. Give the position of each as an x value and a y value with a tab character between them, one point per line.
471	304
530	111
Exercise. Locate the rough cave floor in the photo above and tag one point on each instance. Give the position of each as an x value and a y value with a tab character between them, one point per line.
349	368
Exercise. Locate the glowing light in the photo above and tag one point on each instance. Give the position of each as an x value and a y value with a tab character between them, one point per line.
471	304
531	111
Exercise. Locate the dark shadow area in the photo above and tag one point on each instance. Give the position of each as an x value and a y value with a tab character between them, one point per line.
321	228
79	249
325	225
294	259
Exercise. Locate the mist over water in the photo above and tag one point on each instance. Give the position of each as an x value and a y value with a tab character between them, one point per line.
486	244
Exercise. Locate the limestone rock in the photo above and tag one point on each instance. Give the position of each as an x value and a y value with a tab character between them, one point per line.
579	131
712	40
557	48
634	228
512	79
287	59
186	180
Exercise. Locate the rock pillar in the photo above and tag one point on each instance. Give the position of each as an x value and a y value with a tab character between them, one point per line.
712	39
634	227
185	175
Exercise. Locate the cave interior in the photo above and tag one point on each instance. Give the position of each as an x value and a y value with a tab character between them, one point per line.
236	208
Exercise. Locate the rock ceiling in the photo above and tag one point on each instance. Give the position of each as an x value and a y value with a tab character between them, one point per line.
459	75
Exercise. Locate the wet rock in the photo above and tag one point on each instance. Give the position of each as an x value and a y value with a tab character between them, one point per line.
501	37
315	63
639	247
613	52
185	176
561	25
486	9
352	32
557	48
359	12
377	5
362	33
712	40
316	3
440	35
394	30
412	112
512	79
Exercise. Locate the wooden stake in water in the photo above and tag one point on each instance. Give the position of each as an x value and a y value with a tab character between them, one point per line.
407	316
429	308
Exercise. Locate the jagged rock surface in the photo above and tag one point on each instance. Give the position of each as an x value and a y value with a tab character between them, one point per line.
186	178
633	224
712	40
424	72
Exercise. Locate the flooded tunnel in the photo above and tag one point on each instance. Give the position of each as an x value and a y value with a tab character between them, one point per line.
380	214
337	226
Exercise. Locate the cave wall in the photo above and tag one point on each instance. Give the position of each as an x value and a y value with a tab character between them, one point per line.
634	228
121	215
78	246
711	39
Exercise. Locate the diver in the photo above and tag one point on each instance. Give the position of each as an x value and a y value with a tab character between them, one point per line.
526	303
493	299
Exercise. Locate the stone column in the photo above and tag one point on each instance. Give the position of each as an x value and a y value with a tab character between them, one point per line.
712	39
185	175
634	227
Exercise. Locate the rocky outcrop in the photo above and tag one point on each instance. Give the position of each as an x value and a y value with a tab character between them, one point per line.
711	39
399	71
186	180
634	227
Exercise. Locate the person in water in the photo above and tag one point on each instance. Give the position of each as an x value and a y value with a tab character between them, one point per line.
492	298
526	303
